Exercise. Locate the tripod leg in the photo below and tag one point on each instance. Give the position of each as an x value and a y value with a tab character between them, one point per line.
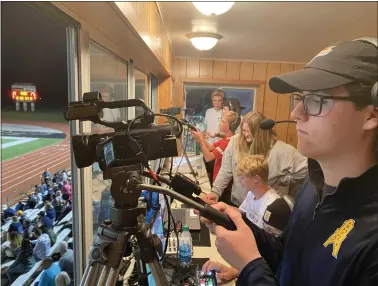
85	275
113	277
158	273
103	276
189	164
90	272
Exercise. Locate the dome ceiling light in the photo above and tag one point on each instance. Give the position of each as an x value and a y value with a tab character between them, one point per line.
204	41
213	8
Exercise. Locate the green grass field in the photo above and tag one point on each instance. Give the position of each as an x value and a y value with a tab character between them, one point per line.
3	141
20	149
38	115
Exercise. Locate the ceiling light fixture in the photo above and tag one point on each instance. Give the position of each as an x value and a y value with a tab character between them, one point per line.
204	41
213	8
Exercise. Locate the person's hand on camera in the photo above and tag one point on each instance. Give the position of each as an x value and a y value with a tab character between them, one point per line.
237	247
210	198
224	273
197	135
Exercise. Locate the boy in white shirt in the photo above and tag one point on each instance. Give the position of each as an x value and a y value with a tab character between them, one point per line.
213	115
262	206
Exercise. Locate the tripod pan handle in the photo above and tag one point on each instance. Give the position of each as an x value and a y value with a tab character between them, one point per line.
218	218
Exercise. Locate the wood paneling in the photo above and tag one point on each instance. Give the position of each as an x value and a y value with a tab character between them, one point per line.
236	73
270	99
259	73
291	130
206	68
246	70
164	94
192	68
180	68
220	70
146	20
233	70
283	107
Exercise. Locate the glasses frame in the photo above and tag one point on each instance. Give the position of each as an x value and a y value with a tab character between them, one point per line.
352	98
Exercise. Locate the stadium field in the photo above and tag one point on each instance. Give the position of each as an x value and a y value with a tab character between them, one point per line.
16	146
3	141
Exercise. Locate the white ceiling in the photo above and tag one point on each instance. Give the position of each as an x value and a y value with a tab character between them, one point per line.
271	31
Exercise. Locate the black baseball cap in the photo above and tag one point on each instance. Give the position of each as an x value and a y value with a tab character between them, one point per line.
336	65
233	103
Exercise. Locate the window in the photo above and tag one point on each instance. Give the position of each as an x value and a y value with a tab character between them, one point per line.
198	101
141	90
109	77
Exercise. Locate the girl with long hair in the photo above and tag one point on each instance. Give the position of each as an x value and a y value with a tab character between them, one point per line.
287	167
24	261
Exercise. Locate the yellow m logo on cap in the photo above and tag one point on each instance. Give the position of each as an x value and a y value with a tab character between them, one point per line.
339	236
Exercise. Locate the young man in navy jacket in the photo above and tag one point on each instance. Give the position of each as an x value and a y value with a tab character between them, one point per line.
332	235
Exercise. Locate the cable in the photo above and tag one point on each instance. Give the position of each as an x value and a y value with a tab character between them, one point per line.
174	229
170	170
183	153
168	230
174	118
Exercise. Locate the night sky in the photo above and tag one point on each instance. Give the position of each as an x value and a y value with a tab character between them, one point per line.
33	49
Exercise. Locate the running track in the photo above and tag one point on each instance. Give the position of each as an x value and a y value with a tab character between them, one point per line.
20	174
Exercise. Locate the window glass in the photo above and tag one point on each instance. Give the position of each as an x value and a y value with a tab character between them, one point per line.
141	90
109	77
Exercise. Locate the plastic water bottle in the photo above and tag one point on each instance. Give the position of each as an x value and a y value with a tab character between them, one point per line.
199	169
185	247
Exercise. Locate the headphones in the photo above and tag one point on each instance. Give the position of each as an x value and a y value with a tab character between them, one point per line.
374	90
234	125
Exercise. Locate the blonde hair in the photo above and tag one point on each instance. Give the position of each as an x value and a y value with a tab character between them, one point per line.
253	165
231	117
262	141
48	206
217	92
62	279
15	237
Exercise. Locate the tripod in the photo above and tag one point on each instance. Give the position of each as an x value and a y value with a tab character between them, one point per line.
127	219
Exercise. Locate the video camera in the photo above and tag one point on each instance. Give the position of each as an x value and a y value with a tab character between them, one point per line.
133	142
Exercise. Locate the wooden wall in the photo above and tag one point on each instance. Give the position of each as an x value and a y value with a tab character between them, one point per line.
146	20
109	27
239	73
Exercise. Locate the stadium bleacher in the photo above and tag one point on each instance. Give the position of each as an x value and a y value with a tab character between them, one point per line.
60	229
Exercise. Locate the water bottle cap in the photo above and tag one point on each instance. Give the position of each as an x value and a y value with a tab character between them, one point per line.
185	227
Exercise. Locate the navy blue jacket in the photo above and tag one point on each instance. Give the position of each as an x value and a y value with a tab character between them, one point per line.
46	221
328	242
51	214
16	226
9	212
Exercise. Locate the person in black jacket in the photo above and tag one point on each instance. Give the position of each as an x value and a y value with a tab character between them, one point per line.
332	235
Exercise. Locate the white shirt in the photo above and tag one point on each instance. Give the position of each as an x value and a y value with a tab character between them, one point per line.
42	246
111	115
255	209
212	120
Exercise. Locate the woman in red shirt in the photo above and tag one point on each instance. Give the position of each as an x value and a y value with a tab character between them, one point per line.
228	124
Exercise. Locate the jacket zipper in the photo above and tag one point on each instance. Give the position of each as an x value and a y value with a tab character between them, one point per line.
320	202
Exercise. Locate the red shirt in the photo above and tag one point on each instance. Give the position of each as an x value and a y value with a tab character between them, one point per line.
219	146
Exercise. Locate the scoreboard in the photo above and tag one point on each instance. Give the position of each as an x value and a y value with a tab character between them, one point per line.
24	92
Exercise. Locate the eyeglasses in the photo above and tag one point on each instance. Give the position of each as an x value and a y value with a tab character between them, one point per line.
320	105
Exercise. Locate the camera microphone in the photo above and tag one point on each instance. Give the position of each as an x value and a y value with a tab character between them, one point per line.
268	124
